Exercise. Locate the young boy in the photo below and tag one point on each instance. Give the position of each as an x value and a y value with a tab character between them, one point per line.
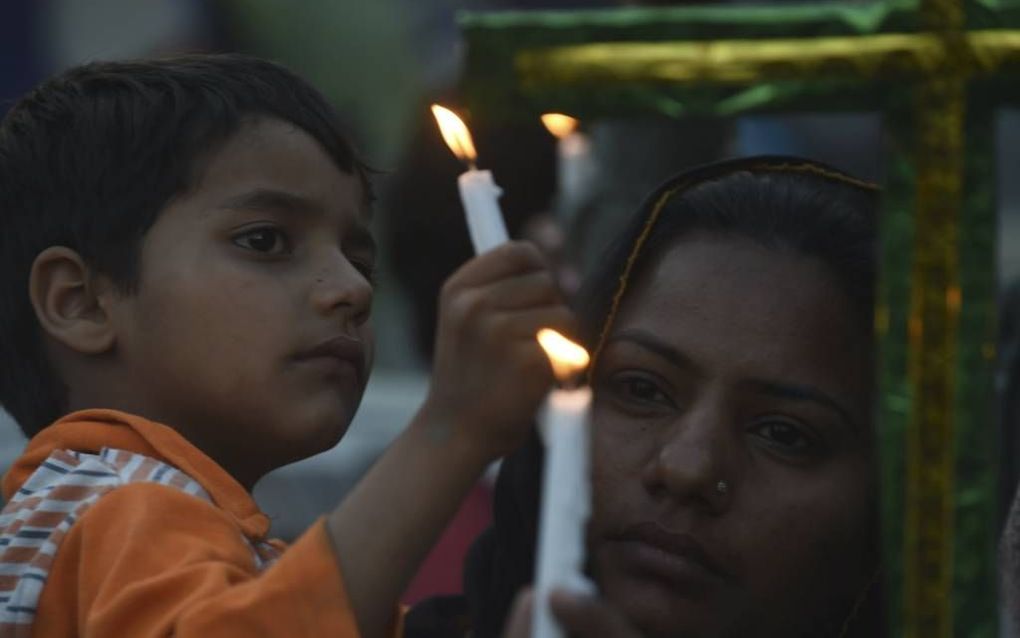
187	280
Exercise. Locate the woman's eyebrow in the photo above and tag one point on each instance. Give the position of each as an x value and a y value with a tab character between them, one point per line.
789	391
808	393
647	341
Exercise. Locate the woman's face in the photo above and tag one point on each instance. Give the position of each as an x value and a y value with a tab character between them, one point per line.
733	477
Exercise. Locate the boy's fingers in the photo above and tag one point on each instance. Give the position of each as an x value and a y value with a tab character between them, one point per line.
527	323
589	617
520	616
505	260
523	291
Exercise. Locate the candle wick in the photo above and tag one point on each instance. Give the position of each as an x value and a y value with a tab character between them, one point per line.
471	165
574	382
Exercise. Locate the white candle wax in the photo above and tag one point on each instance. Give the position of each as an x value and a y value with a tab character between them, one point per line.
480	196
566	504
574	168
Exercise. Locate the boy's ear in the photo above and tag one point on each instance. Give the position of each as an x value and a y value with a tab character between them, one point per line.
68	299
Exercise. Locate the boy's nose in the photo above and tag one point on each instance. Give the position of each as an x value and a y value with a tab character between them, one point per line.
690	464
339	287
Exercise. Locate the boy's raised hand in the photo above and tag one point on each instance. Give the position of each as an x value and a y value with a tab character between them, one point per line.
489	377
490	374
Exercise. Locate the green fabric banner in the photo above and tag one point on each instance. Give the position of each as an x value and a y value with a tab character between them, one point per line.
589	64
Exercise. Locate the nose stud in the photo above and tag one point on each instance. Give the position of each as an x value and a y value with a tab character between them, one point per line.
722	487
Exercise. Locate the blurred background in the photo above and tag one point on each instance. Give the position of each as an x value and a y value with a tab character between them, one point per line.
382	62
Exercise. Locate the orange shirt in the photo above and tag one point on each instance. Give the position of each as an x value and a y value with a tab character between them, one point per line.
150	560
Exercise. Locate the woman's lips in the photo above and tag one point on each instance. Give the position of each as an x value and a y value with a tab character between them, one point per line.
676	558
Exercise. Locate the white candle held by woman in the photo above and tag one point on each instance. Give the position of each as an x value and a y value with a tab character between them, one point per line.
566	490
478	192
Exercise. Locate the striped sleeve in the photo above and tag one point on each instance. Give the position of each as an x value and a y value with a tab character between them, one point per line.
150	561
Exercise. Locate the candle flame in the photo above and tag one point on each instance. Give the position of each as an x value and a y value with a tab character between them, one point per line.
566	357
559	124
455	133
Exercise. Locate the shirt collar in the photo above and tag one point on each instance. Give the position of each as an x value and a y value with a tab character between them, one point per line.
92	430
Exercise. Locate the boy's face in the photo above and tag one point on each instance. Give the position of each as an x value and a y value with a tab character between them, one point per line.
249	331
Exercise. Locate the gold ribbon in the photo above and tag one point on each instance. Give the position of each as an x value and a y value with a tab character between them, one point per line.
933	332
940	100
748	61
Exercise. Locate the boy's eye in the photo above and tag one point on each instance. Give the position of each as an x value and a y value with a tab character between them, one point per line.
366	268
786	438
265	239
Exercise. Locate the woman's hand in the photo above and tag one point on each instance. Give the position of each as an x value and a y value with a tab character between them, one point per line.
581	616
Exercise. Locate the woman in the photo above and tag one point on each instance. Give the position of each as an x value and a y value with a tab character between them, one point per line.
734	475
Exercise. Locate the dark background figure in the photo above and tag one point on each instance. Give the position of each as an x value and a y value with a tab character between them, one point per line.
1008	389
22	60
1009	571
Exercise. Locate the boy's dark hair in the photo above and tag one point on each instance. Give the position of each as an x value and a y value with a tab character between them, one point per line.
90	158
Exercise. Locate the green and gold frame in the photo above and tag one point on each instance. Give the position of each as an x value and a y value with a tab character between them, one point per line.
937	71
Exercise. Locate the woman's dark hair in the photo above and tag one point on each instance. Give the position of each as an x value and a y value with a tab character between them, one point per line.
787	204
90	158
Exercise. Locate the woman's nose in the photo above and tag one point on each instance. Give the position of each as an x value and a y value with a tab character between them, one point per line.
339	287
690	465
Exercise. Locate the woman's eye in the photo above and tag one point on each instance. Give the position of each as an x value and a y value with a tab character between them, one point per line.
267	240
640	390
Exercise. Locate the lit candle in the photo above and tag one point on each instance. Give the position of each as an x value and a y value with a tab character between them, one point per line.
574	167
566	491
478	192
